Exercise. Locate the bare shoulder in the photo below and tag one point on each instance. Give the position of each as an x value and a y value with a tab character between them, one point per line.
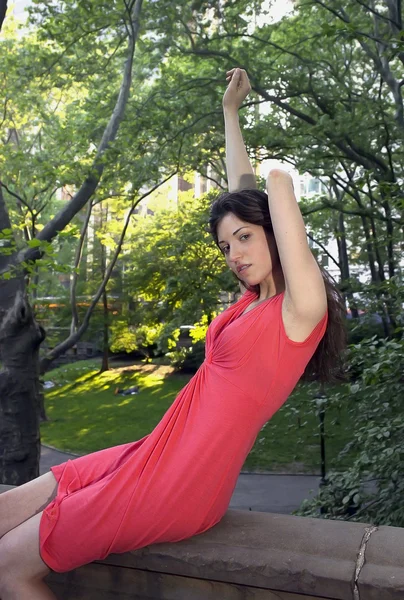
299	324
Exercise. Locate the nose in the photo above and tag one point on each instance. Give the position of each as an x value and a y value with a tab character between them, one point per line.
234	253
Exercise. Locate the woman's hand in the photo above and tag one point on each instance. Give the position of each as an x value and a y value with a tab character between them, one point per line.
238	89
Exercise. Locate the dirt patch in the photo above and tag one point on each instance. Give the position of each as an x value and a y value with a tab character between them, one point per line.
160	370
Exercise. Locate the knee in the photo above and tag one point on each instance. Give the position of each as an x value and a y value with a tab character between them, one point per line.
5	578
8	567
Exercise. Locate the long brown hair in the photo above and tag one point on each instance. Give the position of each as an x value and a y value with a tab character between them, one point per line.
326	364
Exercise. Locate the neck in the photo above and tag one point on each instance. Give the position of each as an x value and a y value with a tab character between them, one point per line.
274	285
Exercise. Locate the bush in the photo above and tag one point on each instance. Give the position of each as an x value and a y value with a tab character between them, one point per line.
366	327
372	489
188	360
133	338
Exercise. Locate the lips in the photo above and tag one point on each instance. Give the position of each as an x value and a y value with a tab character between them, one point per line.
242	268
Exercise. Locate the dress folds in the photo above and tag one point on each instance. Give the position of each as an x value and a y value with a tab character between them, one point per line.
178	481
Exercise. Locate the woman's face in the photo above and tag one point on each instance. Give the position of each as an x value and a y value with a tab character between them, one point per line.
246	249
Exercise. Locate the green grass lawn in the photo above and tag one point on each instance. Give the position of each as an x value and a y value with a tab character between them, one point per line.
85	415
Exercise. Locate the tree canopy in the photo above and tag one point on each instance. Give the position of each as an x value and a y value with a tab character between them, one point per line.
105	101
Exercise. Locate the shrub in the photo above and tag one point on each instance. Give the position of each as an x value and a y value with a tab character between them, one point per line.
372	489
188	360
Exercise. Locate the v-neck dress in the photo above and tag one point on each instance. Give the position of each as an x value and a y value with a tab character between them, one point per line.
178	481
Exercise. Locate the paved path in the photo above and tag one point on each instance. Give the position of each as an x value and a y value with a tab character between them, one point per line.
254	491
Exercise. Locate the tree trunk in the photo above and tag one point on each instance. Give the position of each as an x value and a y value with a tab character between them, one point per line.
77	263
105	343
41	399
344	266
376	276
370	252
376	244
20	335
47	360
3	10
20	338
388	316
390	239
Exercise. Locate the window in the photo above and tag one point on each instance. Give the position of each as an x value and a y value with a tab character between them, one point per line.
314	185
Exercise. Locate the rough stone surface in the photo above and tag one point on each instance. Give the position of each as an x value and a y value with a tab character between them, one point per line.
99	582
382	577
274	552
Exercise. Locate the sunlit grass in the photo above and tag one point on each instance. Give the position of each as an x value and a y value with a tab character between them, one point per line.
85	416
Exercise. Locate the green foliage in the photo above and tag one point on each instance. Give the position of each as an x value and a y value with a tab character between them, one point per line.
325	111
366	327
175	271
372	488
328	110
124	338
198	333
187	360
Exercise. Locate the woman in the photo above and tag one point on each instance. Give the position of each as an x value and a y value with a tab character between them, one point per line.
178	481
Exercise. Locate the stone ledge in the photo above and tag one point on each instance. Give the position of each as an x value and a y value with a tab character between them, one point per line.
276	552
248	553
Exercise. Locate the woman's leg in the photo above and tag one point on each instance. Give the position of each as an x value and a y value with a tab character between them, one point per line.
21	566
21	503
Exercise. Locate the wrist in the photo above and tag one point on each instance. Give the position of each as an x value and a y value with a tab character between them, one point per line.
230	112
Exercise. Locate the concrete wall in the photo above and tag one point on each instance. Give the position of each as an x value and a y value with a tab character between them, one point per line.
252	556
255	556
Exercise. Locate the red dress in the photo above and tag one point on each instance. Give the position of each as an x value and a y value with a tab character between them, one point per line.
178	480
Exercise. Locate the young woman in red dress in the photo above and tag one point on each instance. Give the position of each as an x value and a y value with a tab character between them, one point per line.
177	481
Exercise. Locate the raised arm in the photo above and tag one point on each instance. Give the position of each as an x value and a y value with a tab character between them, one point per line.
305	296
240	174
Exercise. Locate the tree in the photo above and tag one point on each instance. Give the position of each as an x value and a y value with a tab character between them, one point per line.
41	150
375	366
3	10
329	78
20	336
332	109
174	274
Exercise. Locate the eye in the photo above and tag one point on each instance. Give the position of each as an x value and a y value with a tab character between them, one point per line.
225	249
245	235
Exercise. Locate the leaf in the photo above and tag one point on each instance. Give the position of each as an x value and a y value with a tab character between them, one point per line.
35	243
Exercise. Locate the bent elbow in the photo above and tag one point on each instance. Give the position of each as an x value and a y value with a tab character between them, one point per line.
277	175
